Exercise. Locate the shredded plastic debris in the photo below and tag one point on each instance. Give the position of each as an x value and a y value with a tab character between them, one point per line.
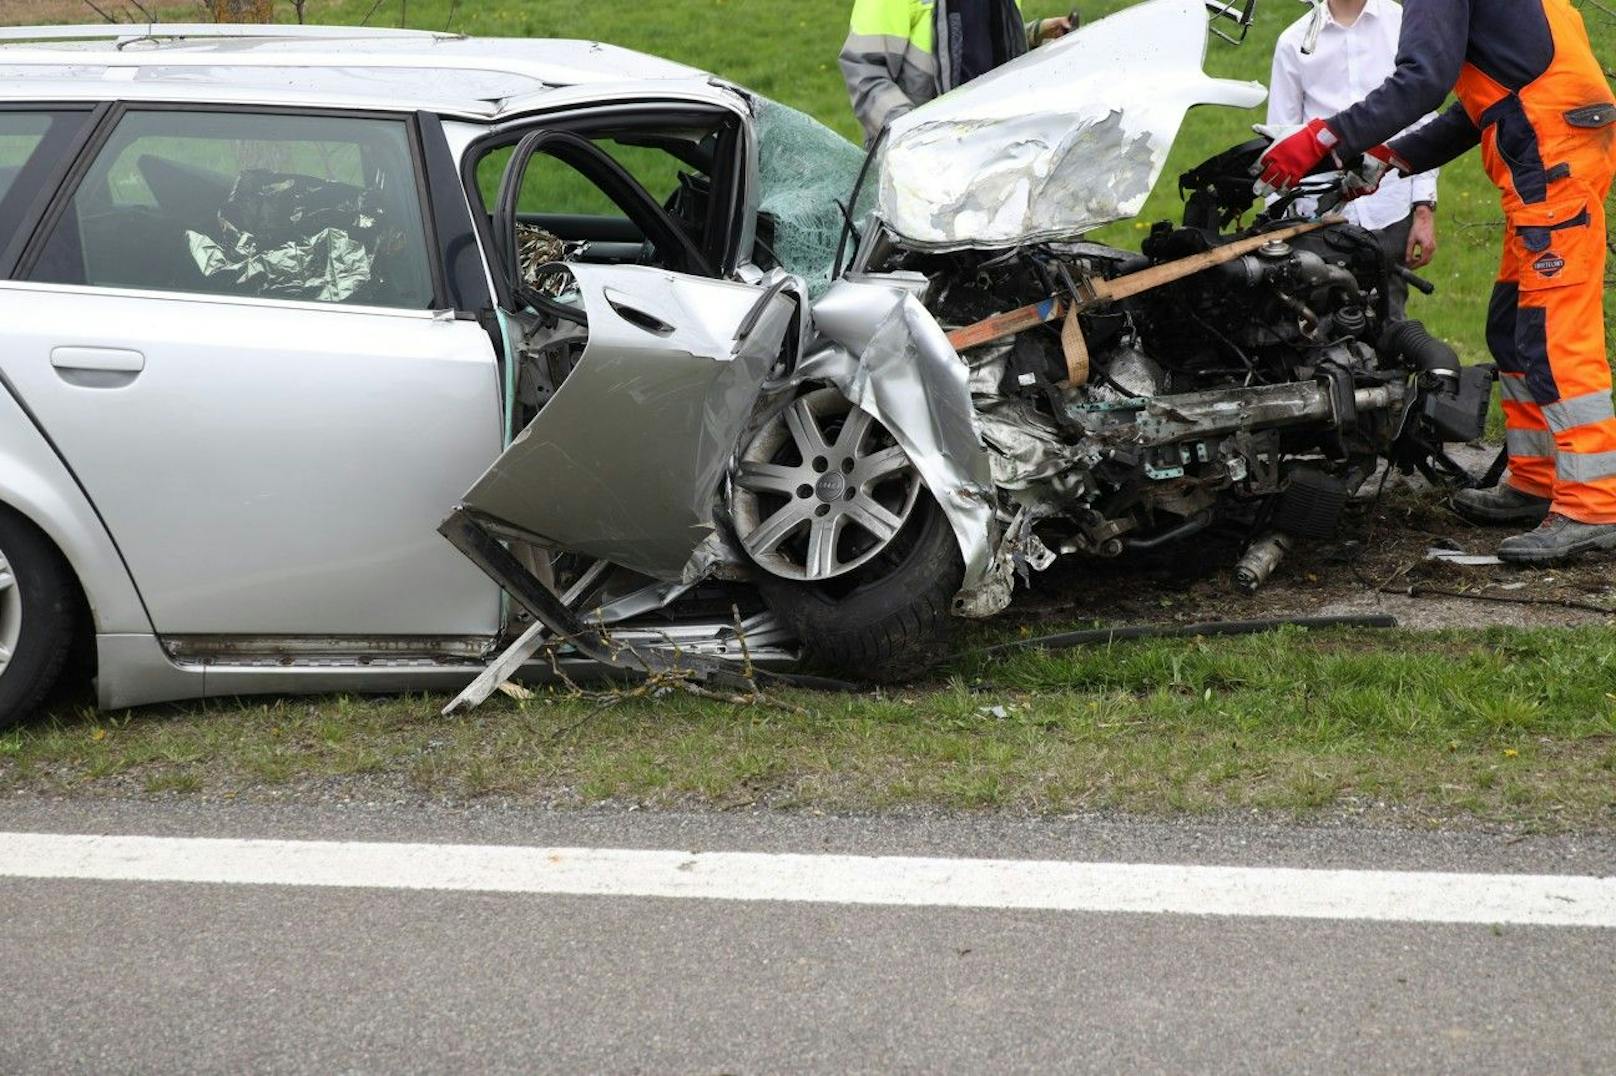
538	247
806	172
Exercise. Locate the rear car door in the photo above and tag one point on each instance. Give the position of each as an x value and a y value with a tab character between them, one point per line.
231	327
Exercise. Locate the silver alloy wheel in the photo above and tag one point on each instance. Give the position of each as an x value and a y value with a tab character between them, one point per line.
10	612
821	489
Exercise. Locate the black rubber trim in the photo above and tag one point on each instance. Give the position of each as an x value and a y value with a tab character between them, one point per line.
464	274
595	165
36	184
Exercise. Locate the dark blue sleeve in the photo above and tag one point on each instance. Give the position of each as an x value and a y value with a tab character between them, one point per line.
1439	141
1430	52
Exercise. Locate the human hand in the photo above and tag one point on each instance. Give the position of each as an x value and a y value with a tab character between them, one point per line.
1059	26
1421	238
1365	177
1295	153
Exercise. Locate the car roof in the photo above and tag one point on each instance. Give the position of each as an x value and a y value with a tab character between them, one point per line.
338	66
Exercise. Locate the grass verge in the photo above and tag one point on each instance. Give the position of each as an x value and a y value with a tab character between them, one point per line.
1504	726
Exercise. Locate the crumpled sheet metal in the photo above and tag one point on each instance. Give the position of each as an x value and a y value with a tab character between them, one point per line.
1070	136
625	462
1027	452
892	360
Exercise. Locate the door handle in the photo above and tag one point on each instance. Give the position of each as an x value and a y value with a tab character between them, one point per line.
112	360
638	318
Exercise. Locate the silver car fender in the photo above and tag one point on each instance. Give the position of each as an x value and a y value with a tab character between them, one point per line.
879	346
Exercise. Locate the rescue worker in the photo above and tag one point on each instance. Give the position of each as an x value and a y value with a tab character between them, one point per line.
892	61
1531	93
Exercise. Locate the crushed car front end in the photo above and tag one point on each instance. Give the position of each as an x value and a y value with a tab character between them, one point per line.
971	388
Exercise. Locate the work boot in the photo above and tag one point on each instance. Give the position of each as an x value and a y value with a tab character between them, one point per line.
1501	504
1556	538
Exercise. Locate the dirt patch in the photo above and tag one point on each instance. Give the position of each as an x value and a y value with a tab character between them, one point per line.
63	12
1379	557
45	12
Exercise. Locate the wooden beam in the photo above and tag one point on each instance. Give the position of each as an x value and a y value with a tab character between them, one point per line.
1100	292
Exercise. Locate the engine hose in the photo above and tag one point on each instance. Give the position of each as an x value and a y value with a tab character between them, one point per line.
1190	526
1069	640
1412	342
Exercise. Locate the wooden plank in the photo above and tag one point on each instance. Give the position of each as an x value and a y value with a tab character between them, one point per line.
1125	287
1007	324
1075	348
1101	292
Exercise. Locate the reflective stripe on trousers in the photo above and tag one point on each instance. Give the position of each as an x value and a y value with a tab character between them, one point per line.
1546	329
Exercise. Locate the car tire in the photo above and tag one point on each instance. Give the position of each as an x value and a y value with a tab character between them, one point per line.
894	622
38	606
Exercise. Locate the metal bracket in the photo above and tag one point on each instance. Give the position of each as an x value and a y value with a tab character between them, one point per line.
531	641
476	539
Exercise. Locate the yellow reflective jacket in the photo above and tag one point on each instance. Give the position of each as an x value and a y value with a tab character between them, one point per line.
891	61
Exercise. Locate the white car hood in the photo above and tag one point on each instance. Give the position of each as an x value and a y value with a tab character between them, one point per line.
1066	138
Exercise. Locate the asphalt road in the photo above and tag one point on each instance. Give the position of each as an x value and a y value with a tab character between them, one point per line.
161	976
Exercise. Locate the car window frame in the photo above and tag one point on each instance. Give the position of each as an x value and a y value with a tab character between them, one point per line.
47	169
108	122
578	120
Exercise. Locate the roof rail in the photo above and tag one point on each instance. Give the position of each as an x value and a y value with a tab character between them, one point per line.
219	31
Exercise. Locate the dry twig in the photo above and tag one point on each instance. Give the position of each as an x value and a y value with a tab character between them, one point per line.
91	4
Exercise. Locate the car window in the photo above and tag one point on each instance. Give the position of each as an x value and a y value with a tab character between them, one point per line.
322	208
558	189
22	134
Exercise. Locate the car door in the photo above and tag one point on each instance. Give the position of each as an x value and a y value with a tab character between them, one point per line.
229	326
625	459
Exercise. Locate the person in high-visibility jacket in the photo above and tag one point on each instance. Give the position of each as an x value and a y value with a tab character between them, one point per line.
1532	94
892	63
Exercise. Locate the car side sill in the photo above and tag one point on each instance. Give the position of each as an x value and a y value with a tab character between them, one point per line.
135	670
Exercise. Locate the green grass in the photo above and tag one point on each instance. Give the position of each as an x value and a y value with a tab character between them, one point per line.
1499	726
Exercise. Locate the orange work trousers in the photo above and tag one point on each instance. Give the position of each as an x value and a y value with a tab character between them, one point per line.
1550	147
1546	328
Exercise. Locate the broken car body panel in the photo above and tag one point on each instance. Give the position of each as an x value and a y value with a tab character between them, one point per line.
892	360
625	462
1064	139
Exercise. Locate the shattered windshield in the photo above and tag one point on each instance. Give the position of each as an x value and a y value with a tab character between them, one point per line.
806	173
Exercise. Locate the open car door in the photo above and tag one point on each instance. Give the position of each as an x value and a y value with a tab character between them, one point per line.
639	378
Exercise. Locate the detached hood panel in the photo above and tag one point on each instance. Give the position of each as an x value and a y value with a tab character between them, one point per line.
1070	136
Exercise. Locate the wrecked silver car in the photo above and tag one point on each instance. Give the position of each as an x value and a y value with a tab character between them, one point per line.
864	448
689	381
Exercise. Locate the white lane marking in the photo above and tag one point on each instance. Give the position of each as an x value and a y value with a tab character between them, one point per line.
1550	900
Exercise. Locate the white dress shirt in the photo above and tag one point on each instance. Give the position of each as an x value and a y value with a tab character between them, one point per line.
1349	62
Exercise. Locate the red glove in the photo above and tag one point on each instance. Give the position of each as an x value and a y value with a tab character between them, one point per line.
1289	159
1365	178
